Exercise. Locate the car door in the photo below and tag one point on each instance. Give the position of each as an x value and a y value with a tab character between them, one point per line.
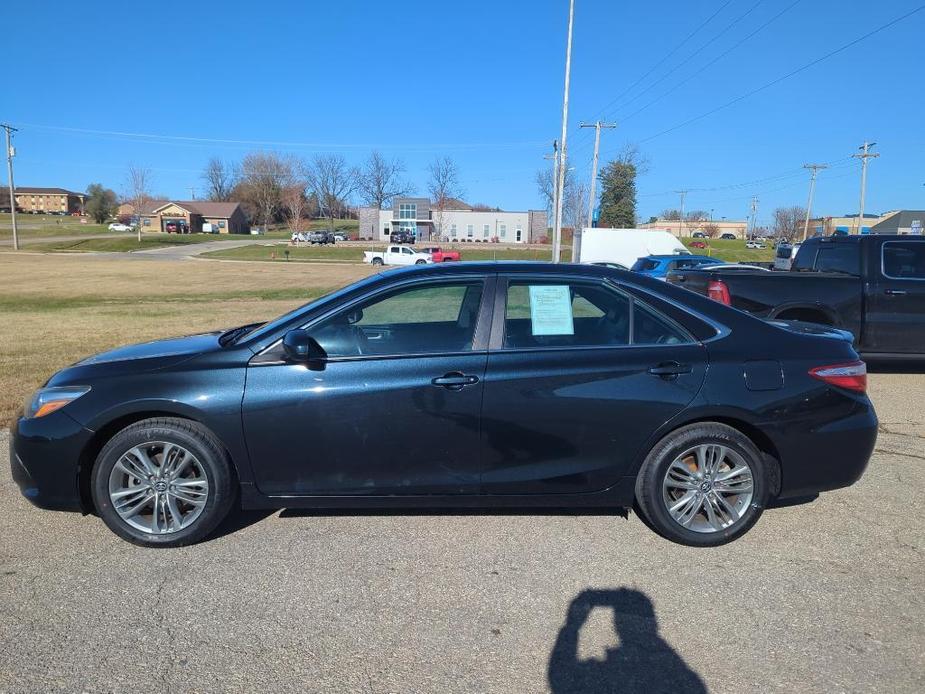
580	374
395	407
896	301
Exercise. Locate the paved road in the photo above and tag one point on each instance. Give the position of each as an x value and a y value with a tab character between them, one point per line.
27	240
823	597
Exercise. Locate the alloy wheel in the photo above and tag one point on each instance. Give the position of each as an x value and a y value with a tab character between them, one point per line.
708	488
158	487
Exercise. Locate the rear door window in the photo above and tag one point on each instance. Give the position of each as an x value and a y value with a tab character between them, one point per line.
904	260
839	257
644	265
581	314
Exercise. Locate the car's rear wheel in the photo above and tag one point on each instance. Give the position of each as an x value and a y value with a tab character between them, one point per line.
420	262
703	485
377	261
163	482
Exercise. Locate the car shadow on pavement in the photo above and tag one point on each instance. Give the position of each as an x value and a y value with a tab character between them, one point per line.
238	520
896	367
642	662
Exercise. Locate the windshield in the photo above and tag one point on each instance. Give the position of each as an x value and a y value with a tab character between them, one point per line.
644	264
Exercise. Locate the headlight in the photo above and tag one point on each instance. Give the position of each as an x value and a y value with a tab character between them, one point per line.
47	400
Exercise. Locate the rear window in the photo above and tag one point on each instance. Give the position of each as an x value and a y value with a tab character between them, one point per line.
644	264
839	257
904	259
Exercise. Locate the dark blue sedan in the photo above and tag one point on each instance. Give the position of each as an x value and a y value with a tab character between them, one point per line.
458	385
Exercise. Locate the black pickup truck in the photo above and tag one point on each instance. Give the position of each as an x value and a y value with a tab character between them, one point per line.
873	286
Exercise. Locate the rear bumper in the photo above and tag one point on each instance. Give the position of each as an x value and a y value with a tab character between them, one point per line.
830	456
44	459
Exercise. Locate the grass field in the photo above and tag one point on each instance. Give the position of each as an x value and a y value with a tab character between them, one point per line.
731	251
277	252
55	309
34	226
122	243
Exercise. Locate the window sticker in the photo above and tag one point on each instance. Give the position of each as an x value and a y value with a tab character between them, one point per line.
551	310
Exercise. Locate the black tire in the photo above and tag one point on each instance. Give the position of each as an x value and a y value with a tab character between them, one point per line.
420	262
377	261
649	494
198	440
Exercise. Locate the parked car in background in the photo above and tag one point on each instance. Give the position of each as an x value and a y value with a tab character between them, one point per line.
783	257
321	238
399	236
119	226
340	236
458	384
439	255
697	244
729	236
397	255
698	235
659	266
872	286
757	245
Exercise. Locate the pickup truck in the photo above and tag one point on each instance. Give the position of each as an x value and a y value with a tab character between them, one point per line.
441	256
397	255
872	286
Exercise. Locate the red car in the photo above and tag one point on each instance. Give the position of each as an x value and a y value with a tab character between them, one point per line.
698	244
439	255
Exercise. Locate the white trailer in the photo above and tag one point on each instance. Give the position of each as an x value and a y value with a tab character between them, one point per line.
625	246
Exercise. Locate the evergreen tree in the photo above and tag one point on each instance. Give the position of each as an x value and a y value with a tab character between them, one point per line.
618	195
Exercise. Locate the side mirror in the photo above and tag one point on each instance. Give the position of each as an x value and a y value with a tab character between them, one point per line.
302	347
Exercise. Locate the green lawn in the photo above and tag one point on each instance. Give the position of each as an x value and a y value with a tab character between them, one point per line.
732	251
36	225
122	243
281	231
277	252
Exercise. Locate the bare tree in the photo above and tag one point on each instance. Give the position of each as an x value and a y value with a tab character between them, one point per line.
695	219
294	204
220	179
670	215
264	176
711	230
380	180
575	205
788	222
546	185
333	182
631	154
138	182
443	185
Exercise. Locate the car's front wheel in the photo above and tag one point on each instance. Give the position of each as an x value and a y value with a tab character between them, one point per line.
703	485
163	482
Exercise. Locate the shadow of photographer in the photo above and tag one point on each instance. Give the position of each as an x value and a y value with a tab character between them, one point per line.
643	661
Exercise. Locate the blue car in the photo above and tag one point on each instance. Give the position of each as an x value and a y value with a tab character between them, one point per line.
658	266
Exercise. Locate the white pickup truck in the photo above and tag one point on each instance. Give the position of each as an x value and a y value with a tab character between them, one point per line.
397	255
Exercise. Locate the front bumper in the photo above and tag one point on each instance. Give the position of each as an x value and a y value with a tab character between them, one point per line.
45	460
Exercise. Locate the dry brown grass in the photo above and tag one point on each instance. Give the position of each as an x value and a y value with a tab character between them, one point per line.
55	310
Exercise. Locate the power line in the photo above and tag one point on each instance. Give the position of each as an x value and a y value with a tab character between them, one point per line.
772	83
714	61
160	138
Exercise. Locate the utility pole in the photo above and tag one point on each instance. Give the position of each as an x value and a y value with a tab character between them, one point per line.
815	168
555	179
10	153
864	156
754	215
560	179
192	192
576	235
682	193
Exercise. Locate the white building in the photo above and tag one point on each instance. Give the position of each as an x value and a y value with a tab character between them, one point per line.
455	222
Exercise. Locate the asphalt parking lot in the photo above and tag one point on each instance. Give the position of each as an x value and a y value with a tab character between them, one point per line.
827	596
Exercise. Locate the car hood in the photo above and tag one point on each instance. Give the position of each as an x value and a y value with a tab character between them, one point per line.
171	350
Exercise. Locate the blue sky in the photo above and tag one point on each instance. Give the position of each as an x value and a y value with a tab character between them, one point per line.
482	82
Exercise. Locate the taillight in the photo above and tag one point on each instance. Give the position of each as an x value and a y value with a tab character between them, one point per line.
851	375
718	291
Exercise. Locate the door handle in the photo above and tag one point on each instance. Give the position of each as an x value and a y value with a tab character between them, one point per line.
895	292
455	380
670	369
